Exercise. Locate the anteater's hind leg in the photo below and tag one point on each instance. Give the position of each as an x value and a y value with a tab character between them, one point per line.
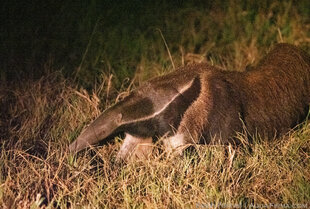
135	148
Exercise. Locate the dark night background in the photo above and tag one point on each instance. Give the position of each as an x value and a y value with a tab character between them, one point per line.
36	32
42	36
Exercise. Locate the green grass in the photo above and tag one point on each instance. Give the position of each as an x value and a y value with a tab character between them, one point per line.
108	58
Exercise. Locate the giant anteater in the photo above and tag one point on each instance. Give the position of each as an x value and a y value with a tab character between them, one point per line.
202	104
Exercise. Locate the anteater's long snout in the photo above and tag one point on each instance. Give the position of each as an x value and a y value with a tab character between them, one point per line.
87	138
98	130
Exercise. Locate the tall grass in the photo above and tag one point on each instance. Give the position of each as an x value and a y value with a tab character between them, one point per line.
36	169
40	117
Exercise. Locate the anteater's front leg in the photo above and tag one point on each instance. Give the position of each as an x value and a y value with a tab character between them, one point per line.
191	127
135	147
194	121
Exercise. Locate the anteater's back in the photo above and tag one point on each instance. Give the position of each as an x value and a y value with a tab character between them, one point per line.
276	94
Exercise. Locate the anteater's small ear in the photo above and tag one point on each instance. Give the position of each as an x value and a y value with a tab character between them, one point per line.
119	118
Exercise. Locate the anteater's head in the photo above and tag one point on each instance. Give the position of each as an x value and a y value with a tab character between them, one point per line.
101	128
132	108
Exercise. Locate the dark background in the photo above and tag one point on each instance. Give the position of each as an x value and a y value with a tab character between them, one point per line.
83	39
